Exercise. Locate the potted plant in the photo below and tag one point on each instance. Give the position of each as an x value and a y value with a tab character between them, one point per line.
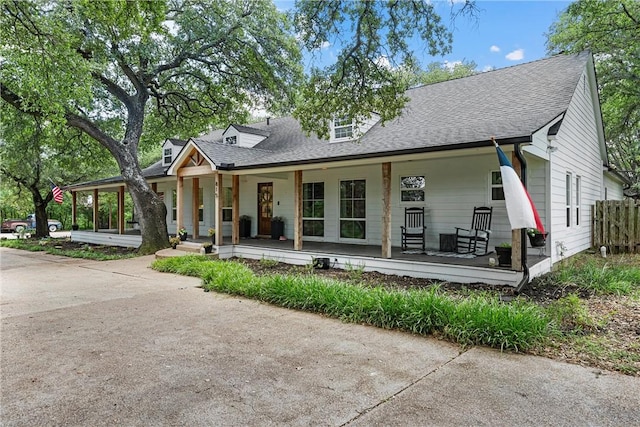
245	226
212	234
277	227
182	232
75	227
536	237
208	247
504	254
174	241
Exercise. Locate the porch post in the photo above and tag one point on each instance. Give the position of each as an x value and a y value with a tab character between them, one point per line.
121	209
195	205
297	214
386	210
179	197
235	209
95	209
218	212
74	207
516	235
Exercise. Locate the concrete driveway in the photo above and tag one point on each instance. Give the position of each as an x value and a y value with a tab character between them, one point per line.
114	343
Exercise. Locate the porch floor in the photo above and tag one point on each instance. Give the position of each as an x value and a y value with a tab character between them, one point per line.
374	251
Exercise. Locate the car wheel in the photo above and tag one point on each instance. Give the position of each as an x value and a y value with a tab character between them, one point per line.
52	227
19	228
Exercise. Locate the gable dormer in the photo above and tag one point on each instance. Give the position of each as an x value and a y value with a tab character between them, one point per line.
170	150
243	136
344	129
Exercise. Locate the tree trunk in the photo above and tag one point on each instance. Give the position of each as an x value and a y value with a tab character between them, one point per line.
42	221
152	213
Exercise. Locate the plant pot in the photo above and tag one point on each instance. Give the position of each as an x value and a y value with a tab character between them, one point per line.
208	249
504	256
245	228
75	227
183	236
538	240
277	229
174	246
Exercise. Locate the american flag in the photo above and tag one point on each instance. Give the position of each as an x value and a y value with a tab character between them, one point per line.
57	193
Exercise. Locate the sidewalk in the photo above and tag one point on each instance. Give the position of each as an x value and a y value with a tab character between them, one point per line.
115	343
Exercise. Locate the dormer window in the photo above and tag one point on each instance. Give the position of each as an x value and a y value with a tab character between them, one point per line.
167	157
231	140
342	128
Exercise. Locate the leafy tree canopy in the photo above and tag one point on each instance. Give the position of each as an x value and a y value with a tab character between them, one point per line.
611	30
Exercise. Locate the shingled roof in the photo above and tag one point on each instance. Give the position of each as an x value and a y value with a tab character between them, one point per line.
509	103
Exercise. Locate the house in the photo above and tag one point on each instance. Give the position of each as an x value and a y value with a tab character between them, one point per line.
345	198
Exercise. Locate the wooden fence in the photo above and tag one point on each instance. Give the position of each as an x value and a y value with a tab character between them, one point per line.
616	225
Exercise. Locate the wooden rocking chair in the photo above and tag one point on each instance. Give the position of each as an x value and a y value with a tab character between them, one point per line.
476	238
414	229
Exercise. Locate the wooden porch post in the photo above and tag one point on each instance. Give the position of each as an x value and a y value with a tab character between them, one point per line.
74	207
195	205
516	235
297	208
235	209
386	210
218	212
95	209
121	209
179	197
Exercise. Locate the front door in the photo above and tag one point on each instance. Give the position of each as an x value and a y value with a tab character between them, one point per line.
265	207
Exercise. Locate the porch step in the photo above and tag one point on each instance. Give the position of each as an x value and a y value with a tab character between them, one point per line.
187	246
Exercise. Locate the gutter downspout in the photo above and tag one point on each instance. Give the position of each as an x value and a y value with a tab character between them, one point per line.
523	231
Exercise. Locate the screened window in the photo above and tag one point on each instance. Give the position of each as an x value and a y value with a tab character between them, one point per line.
412	188
497	191
353	209
174	205
167	156
227	210
578	195
313	209
342	127
568	181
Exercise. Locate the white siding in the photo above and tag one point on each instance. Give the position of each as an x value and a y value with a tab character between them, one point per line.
242	139
612	189
578	154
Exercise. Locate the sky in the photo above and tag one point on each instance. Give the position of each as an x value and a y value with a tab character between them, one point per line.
505	33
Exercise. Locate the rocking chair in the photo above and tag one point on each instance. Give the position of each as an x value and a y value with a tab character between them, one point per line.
474	239
413	230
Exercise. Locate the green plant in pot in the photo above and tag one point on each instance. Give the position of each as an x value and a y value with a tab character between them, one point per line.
182	232
536	237
174	241
504	254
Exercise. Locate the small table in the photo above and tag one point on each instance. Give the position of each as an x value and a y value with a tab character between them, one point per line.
448	242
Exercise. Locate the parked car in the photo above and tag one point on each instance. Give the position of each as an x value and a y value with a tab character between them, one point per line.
17	225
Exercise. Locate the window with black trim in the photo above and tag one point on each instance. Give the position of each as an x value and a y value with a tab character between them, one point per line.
313	209
353	223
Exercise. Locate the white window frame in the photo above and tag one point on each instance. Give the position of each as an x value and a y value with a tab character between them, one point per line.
363	219
578	197
496	186
404	190
568	199
167	153
174	206
342	124
231	140
305	218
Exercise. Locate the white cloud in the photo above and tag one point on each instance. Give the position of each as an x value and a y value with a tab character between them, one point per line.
494	48
383	61
451	65
487	68
516	55
325	45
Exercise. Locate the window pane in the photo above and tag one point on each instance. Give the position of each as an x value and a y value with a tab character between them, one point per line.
307	191
496	178
352	229
227	197
497	193
346	189
359	210
413	195
307	208
412	182
359	190
318	209
227	214
313	228
318	190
